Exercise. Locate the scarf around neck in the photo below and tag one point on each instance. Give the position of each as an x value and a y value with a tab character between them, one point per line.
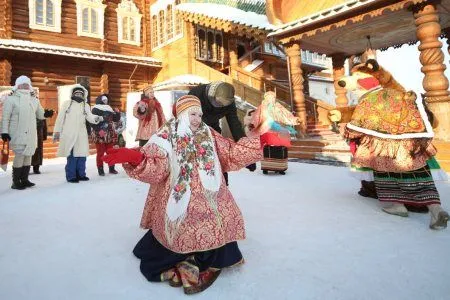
186	151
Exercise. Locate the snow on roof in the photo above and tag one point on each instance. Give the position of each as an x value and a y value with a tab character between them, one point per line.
185	80
321	15
228	13
28	46
256	63
256	6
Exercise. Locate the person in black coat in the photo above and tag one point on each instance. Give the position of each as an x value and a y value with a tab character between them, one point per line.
217	99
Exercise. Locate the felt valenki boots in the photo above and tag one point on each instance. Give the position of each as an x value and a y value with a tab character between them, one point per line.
439	217
397	209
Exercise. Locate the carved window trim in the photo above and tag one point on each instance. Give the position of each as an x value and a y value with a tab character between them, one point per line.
168	27
96	6
128	12
209	44
33	24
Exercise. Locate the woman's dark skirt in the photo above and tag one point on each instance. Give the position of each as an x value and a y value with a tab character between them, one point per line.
156	259
275	159
414	188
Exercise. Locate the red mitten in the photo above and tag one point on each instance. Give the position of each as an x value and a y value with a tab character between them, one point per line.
123	155
353	147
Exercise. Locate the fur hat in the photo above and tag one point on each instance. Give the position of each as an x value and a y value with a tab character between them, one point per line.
220	94
22	80
186	102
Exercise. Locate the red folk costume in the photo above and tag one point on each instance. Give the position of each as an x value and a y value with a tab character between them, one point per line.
151	117
192	218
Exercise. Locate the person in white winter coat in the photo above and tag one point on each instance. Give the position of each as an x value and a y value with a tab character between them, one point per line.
70	131
20	111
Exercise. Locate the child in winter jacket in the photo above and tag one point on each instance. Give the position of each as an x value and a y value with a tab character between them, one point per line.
104	134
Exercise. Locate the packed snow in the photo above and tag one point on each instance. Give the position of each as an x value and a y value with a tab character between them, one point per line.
309	236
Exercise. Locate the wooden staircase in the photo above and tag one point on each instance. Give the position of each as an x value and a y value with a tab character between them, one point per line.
321	146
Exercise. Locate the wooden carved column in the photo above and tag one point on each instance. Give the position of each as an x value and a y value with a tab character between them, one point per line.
233	54
6	19
338	72
104	84
295	66
431	57
5	72
192	47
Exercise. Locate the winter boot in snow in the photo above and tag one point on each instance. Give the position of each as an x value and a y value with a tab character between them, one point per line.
25	173
101	171
17	183
439	217
397	209
112	170
36	170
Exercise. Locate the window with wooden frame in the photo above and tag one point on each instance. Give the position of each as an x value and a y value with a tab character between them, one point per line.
169	22
90	18
201	44
129	23
166	25
219	48
155	41
209	44
45	15
161	27
178	21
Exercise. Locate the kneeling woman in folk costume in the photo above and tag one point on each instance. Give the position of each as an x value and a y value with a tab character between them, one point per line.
192	218
393	137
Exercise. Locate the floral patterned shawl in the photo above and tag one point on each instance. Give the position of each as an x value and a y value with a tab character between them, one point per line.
386	113
187	150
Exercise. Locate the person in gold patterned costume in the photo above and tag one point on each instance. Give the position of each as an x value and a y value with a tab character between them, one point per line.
194	223
391	136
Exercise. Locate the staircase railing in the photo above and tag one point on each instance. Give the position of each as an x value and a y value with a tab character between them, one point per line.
251	88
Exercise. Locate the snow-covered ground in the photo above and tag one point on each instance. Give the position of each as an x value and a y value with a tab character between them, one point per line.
309	236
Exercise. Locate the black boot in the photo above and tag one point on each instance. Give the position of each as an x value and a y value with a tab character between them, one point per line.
25	173
16	175
36	170
112	170
101	172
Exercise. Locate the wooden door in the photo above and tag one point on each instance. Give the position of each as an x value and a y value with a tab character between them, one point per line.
49	100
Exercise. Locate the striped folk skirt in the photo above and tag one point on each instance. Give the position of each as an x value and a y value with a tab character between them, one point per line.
414	188
275	159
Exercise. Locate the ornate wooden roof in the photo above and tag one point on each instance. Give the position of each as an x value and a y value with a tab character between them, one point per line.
227	19
344	31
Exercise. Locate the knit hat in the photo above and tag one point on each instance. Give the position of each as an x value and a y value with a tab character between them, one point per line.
220	94
186	102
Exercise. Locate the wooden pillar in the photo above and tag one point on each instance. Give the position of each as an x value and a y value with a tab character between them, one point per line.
233	56
6	19
104	84
296	76
338	72
192	47
431	57
5	72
